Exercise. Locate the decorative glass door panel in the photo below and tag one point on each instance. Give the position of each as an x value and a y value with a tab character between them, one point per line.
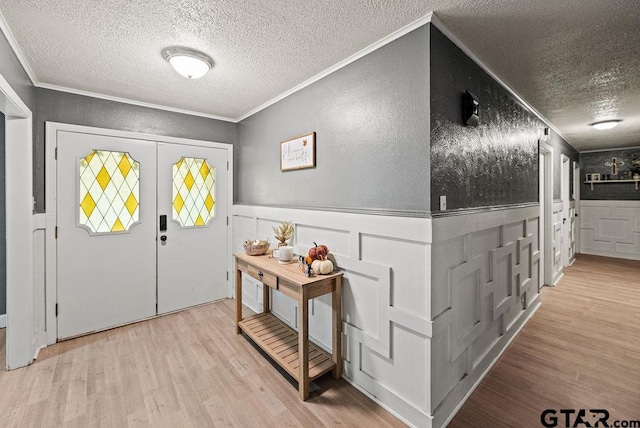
192	257
193	192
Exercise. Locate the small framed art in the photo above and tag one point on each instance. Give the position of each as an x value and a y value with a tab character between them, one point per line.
298	152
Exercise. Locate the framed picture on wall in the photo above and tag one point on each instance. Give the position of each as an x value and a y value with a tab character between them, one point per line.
595	176
298	152
587	177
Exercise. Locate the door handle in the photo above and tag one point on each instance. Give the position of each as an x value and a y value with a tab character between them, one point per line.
163	238
564	220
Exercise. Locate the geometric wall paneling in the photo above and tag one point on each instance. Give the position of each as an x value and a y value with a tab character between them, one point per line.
556	242
384	260
610	228
502	278
468	289
526	259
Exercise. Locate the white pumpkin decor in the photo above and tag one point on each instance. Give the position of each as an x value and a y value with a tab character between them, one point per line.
322	267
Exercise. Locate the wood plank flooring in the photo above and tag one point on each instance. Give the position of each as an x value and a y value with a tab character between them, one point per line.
187	369
580	350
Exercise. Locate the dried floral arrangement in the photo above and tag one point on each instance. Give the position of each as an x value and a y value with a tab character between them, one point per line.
284	232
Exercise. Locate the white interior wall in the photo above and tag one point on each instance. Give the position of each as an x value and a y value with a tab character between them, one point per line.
610	228
386	299
485	272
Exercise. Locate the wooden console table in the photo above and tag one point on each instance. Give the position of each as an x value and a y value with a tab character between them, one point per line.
290	349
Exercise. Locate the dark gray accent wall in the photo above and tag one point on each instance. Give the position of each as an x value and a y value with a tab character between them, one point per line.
3	222
493	164
595	162
12	71
561	147
64	107
372	129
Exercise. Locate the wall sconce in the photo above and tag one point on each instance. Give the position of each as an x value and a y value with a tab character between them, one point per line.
470	107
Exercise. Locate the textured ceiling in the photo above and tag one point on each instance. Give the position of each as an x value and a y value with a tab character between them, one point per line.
576	62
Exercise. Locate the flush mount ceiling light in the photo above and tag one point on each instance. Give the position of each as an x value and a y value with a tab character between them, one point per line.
606	124
190	63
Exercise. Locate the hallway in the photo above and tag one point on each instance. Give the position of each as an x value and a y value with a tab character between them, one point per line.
581	350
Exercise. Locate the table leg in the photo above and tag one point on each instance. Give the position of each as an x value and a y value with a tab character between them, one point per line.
336	306
238	300
303	345
266	307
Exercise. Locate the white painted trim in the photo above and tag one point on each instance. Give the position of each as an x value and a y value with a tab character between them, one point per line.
3	321
610	150
133	102
8	34
439	24
19	197
51	143
374	46
378	402
492	363
547	151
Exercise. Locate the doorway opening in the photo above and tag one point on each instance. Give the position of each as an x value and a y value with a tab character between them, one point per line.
546	221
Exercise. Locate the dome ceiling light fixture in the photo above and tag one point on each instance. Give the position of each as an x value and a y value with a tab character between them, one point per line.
606	124
190	63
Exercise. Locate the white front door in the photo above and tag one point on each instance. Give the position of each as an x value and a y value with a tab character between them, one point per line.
192	194
106	232
115	265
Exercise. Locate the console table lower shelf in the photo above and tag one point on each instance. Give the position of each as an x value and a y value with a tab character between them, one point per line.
281	342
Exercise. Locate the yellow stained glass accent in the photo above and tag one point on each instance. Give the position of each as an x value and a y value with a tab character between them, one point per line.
103	178
109	191
117	226
87	205
131	204
193	192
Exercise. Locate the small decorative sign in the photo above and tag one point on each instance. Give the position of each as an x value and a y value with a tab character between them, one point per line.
298	152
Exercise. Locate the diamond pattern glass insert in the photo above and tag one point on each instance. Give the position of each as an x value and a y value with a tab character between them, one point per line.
109	191
193	192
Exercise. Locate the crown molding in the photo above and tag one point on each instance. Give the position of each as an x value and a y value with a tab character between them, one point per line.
375	46
611	149
133	102
440	25
8	34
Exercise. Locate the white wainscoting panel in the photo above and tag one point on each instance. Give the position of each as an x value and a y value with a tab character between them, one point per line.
386	297
485	273
557	241
610	228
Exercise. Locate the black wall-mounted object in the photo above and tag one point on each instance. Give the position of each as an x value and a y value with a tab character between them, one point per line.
163	223
470	106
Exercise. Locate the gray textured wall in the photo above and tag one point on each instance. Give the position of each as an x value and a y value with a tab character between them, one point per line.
561	147
493	164
13	72
595	162
371	120
80	110
3	223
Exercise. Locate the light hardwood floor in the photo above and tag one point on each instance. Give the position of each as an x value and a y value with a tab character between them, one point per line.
188	369
581	350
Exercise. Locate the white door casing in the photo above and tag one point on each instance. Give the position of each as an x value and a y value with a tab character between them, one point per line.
565	193
546	213
52	131
192	262
20	334
105	279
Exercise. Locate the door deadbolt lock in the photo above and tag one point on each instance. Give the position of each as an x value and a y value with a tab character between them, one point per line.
163	238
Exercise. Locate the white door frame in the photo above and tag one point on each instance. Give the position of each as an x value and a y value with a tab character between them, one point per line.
20	333
546	212
576	199
565	195
52	129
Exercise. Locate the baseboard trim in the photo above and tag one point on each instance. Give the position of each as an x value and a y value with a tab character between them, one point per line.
614	254
3	321
533	309
378	402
